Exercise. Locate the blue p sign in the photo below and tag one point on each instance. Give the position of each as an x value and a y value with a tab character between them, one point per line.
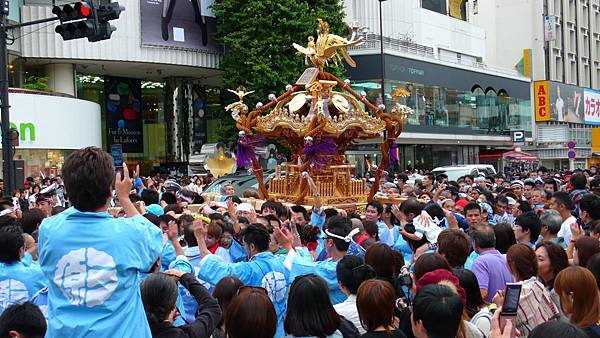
518	136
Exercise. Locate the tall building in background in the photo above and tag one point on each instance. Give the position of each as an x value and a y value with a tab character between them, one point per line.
467	109
149	87
563	39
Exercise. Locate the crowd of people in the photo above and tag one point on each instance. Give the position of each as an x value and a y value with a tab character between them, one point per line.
100	253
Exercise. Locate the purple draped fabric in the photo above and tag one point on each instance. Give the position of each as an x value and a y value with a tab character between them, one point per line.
245	149
393	151
317	154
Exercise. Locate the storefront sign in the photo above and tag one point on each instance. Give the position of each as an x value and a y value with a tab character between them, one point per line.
591	99
54	122
123	113
542	105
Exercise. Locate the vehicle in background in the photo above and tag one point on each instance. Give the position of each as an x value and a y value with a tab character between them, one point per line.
456	171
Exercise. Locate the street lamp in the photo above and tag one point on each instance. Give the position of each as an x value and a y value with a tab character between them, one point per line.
382	61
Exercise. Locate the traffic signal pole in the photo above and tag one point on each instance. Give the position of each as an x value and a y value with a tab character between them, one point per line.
8	169
82	20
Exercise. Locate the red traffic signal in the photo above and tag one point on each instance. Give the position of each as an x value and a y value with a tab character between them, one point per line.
78	11
83	8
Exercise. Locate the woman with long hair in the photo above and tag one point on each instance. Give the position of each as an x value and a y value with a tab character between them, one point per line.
535	303
551	259
476	307
579	299
310	312
251	314
225	290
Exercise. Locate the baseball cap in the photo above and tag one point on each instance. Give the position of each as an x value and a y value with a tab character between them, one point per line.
155	209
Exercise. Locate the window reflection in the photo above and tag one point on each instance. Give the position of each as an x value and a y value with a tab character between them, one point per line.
484	110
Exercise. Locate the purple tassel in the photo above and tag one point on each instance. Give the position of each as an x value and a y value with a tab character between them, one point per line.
393	151
245	149
317	154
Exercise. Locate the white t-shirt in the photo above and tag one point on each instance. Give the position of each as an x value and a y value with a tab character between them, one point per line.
559	108
348	310
565	229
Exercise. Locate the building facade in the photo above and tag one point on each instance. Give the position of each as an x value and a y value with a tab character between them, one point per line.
563	39
436	55
153	81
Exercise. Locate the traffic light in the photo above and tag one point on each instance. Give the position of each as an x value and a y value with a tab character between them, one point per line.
84	20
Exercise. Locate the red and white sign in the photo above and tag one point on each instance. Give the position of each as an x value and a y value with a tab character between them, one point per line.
591	106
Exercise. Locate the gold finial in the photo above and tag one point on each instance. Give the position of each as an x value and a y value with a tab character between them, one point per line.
327	47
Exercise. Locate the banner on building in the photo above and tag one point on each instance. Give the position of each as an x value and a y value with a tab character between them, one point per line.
524	65
124	123
591	99
542	106
182	24
549	28
596	140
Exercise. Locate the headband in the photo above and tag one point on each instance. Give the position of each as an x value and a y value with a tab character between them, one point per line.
6	211
346	239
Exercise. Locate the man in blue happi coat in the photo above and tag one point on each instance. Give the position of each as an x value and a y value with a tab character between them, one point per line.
92	260
262	268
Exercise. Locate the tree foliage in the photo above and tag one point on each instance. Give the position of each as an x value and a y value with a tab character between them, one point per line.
257	37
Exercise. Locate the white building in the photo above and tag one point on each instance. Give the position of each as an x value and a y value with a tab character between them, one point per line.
566	64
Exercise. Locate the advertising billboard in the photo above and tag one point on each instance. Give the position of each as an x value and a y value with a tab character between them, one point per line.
182	24
591	101
555	101
124	123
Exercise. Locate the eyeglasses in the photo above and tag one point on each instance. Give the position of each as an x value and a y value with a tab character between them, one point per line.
247	289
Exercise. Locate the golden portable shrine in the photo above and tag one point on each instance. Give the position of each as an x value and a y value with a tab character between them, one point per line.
318	118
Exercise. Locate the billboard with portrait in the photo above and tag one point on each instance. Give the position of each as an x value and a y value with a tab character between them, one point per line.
182	24
566	103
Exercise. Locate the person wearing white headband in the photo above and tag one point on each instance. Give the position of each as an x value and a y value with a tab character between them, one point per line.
300	262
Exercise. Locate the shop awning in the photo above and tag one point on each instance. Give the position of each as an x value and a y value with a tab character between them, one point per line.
513	155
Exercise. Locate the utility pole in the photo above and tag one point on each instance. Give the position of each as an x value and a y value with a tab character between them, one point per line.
7	151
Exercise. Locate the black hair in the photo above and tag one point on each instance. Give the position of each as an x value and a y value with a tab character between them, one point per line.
300	209
530	221
472	206
593	265
149	196
563	198
468	281
505	237
25	318
277	206
32	219
159	294
489	197
57	210
352	271
501	199
557	329
330	212
484	236
434	210
167	218
11	242
553	182
340	226
168	197
152	218
578	181
524	206
439	309
258	235
403	177
188	235
225	290
529	183
377	205
309	309
591	204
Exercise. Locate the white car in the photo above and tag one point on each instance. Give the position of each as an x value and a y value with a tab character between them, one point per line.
456	171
